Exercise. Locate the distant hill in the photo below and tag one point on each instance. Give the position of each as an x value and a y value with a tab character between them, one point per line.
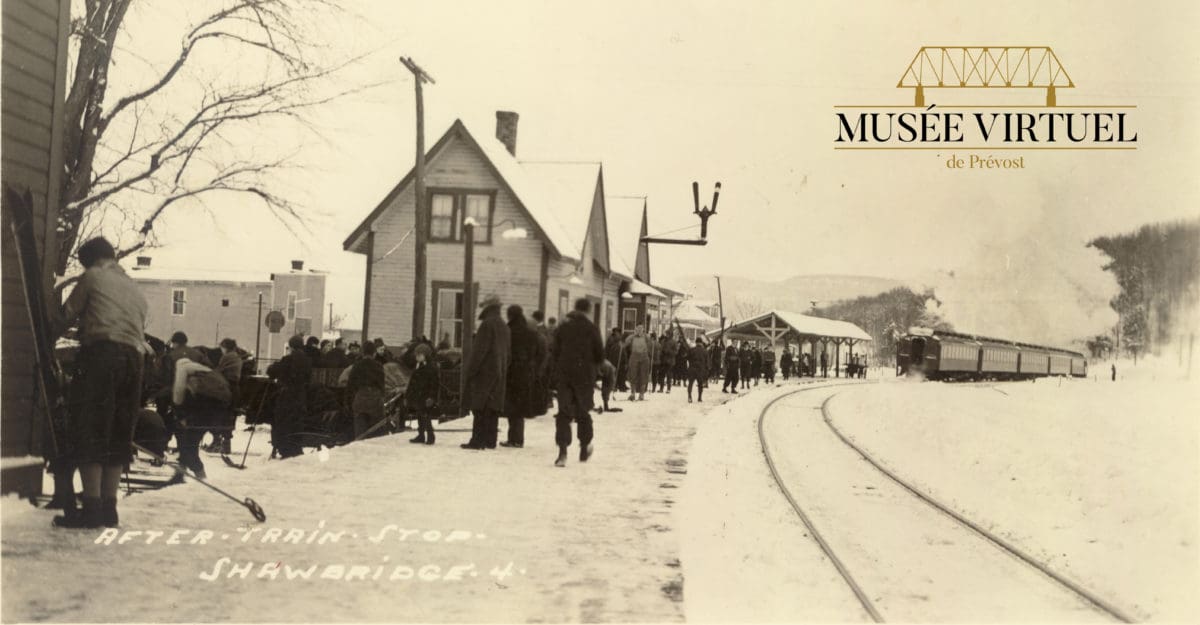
795	293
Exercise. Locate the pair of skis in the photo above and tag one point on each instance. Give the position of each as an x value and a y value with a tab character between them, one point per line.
51	382
180	471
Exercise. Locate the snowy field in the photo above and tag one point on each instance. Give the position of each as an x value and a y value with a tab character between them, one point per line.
1097	479
427	534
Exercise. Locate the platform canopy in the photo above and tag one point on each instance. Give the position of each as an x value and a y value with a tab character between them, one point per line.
782	325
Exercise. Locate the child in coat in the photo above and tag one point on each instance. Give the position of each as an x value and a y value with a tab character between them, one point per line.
421	394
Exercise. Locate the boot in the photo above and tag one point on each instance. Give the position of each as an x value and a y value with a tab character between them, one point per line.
64	493
429	436
226	444
562	457
585	452
108	512
642	397
90	517
419	439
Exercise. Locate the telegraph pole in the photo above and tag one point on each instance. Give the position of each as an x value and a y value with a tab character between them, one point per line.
258	335
721	310
419	77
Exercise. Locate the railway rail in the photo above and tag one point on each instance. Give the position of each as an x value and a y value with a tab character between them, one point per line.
869	606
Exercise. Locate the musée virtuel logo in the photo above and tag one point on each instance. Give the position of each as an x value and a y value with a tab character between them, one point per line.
1036	69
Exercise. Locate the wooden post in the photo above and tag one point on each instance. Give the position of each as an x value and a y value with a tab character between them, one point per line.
468	310
837	358
258	336
422	219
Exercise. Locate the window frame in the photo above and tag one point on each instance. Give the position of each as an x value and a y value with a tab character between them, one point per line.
289	308
564	304
437	287
625	312
458	210
182	302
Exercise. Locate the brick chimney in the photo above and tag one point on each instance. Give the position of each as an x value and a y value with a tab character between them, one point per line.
143	262
297	265
506	130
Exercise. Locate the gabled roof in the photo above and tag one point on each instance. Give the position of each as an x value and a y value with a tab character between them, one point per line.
802	325
562	189
547	196
624	232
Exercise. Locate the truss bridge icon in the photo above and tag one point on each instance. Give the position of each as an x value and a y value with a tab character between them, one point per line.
994	67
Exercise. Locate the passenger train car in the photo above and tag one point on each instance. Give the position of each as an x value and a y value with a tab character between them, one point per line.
939	355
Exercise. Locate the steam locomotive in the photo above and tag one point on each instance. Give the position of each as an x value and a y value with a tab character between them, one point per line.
940	355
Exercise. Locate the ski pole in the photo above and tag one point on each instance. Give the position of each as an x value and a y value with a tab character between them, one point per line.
251	505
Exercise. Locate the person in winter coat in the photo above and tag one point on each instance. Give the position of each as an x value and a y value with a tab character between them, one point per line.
421	394
745	365
518	393
542	383
201	398
640	347
768	365
824	364
668	347
697	363
732	368
785	363
292	374
486	370
312	348
230	367
614	352
715	356
336	357
756	364
365	390
607	374
578	352
679	372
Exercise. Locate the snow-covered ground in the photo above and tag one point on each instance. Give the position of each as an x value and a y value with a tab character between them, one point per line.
1097	479
437	534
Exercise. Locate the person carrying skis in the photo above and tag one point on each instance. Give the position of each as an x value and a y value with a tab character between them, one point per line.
106	392
697	366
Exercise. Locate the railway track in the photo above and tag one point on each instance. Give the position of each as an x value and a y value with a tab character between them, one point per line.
854	578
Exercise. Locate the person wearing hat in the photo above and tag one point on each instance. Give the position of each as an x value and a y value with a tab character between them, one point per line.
486	371
421	394
291	373
364	390
527	356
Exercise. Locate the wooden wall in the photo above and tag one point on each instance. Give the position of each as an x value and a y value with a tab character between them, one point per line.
33	83
509	268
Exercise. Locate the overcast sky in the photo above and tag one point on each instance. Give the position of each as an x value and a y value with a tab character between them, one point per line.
668	93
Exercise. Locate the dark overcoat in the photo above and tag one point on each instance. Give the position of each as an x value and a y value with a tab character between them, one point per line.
522	369
578	351
487	364
697	362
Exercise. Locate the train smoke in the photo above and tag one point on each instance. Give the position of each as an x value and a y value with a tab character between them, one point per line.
1032	279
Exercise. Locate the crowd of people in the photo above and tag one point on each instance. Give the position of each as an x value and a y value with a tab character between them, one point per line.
517	367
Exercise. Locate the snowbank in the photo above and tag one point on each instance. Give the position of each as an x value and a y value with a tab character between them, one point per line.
1100	480
463	536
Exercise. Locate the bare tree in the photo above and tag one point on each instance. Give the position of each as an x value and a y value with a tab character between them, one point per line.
140	148
747	307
